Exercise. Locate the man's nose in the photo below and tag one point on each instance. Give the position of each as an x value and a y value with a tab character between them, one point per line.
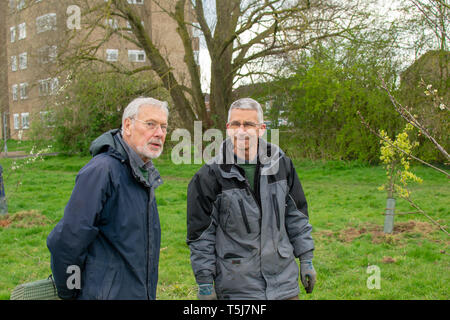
159	132
241	130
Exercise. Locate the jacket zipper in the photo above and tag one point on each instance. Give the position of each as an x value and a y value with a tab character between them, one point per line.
147	214
277	212
147	251
244	216
250	192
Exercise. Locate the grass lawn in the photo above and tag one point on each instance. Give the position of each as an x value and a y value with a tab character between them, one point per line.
345	211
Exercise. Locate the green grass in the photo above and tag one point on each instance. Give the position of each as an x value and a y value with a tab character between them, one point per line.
17	145
345	210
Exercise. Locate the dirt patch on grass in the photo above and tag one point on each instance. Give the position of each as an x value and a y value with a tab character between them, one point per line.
24	219
401	229
388	260
4	221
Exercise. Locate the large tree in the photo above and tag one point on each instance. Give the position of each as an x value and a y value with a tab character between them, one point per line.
243	38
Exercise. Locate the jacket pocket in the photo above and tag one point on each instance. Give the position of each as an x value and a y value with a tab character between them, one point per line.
277	210
244	216
285	249
239	277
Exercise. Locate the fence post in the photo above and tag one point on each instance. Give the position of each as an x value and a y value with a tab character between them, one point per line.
3	204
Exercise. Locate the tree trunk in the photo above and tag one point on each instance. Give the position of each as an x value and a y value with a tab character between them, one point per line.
221	93
221	51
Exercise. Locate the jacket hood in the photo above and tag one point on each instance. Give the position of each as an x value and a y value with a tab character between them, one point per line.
110	142
105	141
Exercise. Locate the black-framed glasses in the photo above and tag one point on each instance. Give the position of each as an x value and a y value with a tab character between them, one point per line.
151	126
248	125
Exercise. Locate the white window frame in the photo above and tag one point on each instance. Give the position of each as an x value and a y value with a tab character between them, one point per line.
13	63
22	28
15	92
52	53
47	118
112	23
25	119
12	32
20	4
112	55
43	87
133	55
23	90
16	120
129	27
47	54
23	61
46	22
54	86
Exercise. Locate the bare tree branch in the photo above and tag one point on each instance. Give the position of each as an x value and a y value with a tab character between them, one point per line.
405	114
363	121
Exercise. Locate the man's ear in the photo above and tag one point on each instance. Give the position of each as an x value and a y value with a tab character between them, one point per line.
262	130
127	127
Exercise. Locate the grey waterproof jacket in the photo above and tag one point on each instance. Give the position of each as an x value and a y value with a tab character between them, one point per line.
246	241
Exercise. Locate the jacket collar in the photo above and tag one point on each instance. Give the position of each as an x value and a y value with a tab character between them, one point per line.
112	143
268	158
137	164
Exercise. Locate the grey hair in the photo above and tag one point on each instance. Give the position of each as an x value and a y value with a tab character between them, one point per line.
247	104
132	109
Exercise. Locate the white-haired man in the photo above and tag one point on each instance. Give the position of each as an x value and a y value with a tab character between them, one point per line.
247	217
110	233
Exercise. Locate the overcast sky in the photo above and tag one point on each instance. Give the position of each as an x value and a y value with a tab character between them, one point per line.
385	8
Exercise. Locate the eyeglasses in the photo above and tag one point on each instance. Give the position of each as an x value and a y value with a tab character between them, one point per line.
151	126
248	125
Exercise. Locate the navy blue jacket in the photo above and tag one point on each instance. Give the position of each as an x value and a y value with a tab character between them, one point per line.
110	228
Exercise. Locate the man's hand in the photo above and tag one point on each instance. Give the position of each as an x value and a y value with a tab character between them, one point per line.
206	292
308	275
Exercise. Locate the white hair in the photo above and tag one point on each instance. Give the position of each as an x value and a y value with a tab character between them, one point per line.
247	104
132	109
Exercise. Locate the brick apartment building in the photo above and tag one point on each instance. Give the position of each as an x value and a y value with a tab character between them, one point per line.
31	32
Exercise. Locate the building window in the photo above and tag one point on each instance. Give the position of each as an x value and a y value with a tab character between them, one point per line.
20	4
112	55
43	87
112	23
13	63
25	120
12	31
48	86
23	61
52	53
15	89
16	121
23	91
47	54
22	31
47	118
46	22
54	86
136	55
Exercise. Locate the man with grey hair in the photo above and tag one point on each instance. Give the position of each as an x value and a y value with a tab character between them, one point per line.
107	244
247	217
